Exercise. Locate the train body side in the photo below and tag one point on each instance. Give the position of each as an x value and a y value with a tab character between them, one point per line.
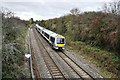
57	41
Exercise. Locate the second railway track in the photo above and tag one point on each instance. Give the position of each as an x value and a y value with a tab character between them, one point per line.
34	64
81	72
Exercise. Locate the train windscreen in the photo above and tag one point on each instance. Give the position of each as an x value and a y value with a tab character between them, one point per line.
60	40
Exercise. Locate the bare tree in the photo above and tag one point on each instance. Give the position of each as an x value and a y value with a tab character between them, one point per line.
31	21
118	6
118	28
113	7
6	12
105	8
75	11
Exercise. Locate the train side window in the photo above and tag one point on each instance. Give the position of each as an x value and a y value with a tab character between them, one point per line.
47	35
52	39
42	32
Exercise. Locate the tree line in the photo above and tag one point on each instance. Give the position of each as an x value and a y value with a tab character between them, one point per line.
13	45
99	29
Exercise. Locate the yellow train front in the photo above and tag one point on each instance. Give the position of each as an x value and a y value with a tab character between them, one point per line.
57	41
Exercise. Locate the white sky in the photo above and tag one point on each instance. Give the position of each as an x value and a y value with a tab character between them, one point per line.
46	9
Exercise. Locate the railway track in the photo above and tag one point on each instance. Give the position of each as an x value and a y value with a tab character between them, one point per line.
81	72
34	64
73	65
50	63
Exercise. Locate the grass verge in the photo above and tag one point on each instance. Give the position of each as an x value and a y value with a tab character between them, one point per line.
108	62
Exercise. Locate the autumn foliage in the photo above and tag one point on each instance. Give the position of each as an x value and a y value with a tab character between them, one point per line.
95	28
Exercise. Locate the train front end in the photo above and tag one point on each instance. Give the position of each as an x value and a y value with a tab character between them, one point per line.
60	42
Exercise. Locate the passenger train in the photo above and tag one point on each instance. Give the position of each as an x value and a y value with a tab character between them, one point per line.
57	41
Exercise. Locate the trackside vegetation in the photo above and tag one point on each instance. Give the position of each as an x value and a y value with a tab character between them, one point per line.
14	32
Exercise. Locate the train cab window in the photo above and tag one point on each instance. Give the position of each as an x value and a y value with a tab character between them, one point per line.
60	40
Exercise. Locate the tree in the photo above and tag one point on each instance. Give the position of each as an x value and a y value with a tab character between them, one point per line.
105	8
118	30
42	23
75	11
118	26
31	21
119	8
113	7
13	42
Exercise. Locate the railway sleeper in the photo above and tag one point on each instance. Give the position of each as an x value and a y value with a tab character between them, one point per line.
58	76
55	71
54	68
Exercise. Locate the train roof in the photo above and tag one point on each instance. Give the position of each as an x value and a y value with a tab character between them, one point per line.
39	26
57	35
51	33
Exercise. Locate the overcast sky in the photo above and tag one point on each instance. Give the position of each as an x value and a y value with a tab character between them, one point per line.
46	9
